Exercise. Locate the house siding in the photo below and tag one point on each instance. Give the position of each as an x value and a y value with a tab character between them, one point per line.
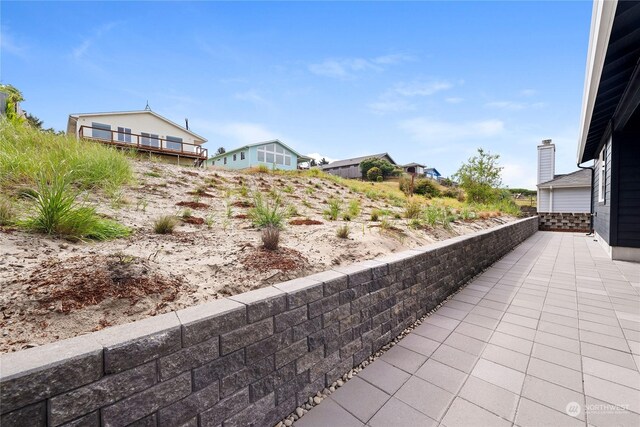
571	200
627	179
139	123
546	163
543	200
251	159
602	210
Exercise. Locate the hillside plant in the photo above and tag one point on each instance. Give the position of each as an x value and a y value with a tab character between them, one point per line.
374	173
270	237
333	212
422	186
386	168
343	232
413	209
164	224
267	212
480	177
7	212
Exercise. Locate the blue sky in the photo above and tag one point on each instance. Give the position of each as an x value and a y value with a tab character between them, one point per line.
427	82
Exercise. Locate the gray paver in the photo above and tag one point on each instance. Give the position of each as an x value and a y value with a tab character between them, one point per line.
554	324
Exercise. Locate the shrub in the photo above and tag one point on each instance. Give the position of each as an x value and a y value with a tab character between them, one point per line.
267	213
422	186
380	179
375	215
263	169
413	209
374	173
270	237
334	209
7	213
57	213
187	213
386	168
164	224
354	208
343	231
244	191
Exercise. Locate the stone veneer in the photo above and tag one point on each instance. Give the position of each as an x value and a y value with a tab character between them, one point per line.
249	359
565	221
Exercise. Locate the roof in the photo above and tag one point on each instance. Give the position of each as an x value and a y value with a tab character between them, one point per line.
433	171
408	165
273	141
612	78
579	178
115	113
356	161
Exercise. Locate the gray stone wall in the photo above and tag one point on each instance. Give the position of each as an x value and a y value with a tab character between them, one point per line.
565	222
245	360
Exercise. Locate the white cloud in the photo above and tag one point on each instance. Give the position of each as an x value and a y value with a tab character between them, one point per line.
8	44
319	156
420	88
454	100
528	92
345	68
390	106
239	133
439	131
394	99
517	174
79	52
254	97
514	106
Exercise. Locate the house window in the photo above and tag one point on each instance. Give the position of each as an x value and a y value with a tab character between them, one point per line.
174	143
234	157
149	139
100	130
602	173
242	155
274	153
124	134
225	161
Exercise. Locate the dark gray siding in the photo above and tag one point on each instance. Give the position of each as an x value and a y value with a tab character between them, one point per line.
602	210
627	176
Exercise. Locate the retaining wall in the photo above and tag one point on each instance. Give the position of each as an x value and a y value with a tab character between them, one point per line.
250	359
565	221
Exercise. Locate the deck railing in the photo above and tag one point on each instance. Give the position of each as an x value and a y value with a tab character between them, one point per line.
149	143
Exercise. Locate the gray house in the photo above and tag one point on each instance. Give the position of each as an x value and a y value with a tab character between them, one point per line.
350	168
567	193
610	126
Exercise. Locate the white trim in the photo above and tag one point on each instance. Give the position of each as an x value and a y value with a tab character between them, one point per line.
619	253
602	173
602	17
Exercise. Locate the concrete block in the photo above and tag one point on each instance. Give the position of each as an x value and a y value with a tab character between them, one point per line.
204	321
91	397
269	346
32	415
247	375
262	303
245	335
133	344
218	369
189	407
301	291
291	353
188	358
147	402
291	318
32	375
224	409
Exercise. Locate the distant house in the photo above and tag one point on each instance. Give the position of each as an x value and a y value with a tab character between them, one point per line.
274	154
610	126
350	168
432	173
143	130
569	193
416	168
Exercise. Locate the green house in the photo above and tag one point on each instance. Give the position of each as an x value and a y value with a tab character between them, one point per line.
274	154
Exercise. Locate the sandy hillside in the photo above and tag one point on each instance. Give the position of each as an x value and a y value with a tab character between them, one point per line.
52	289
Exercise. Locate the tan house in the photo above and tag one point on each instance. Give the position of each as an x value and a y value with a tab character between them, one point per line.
144	130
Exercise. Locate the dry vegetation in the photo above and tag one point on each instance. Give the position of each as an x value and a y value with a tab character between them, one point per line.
195	236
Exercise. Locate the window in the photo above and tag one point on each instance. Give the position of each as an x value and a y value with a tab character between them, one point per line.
173	143
101	131
242	155
124	134
275	154
602	176
234	157
149	139
225	161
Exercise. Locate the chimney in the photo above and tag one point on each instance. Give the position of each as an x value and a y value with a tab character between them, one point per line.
186	123
546	161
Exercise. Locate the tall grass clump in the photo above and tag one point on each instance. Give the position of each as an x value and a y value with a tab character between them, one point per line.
164	224
343	231
267	213
7	212
412	209
334	209
25	153
354	208
270	237
57	212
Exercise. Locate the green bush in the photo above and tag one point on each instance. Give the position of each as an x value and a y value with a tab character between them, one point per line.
269	213
374	173
165	224
334	209
7	213
380	179
413	209
386	168
343	232
422	186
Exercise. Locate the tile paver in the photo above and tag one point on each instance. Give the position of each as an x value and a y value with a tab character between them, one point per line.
553	325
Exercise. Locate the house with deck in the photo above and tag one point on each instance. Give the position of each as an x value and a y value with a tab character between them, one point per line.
432	173
145	131
350	168
561	193
416	168
610	126
274	154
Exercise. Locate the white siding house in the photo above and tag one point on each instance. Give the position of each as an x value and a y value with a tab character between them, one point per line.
569	193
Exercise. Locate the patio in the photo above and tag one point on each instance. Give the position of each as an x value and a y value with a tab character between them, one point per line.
549	335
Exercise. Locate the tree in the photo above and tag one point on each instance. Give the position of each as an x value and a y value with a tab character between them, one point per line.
323	161
220	150
34	121
14	97
313	163
480	176
385	167
374	173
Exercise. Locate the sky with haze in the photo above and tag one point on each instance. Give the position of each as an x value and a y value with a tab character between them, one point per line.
427	82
